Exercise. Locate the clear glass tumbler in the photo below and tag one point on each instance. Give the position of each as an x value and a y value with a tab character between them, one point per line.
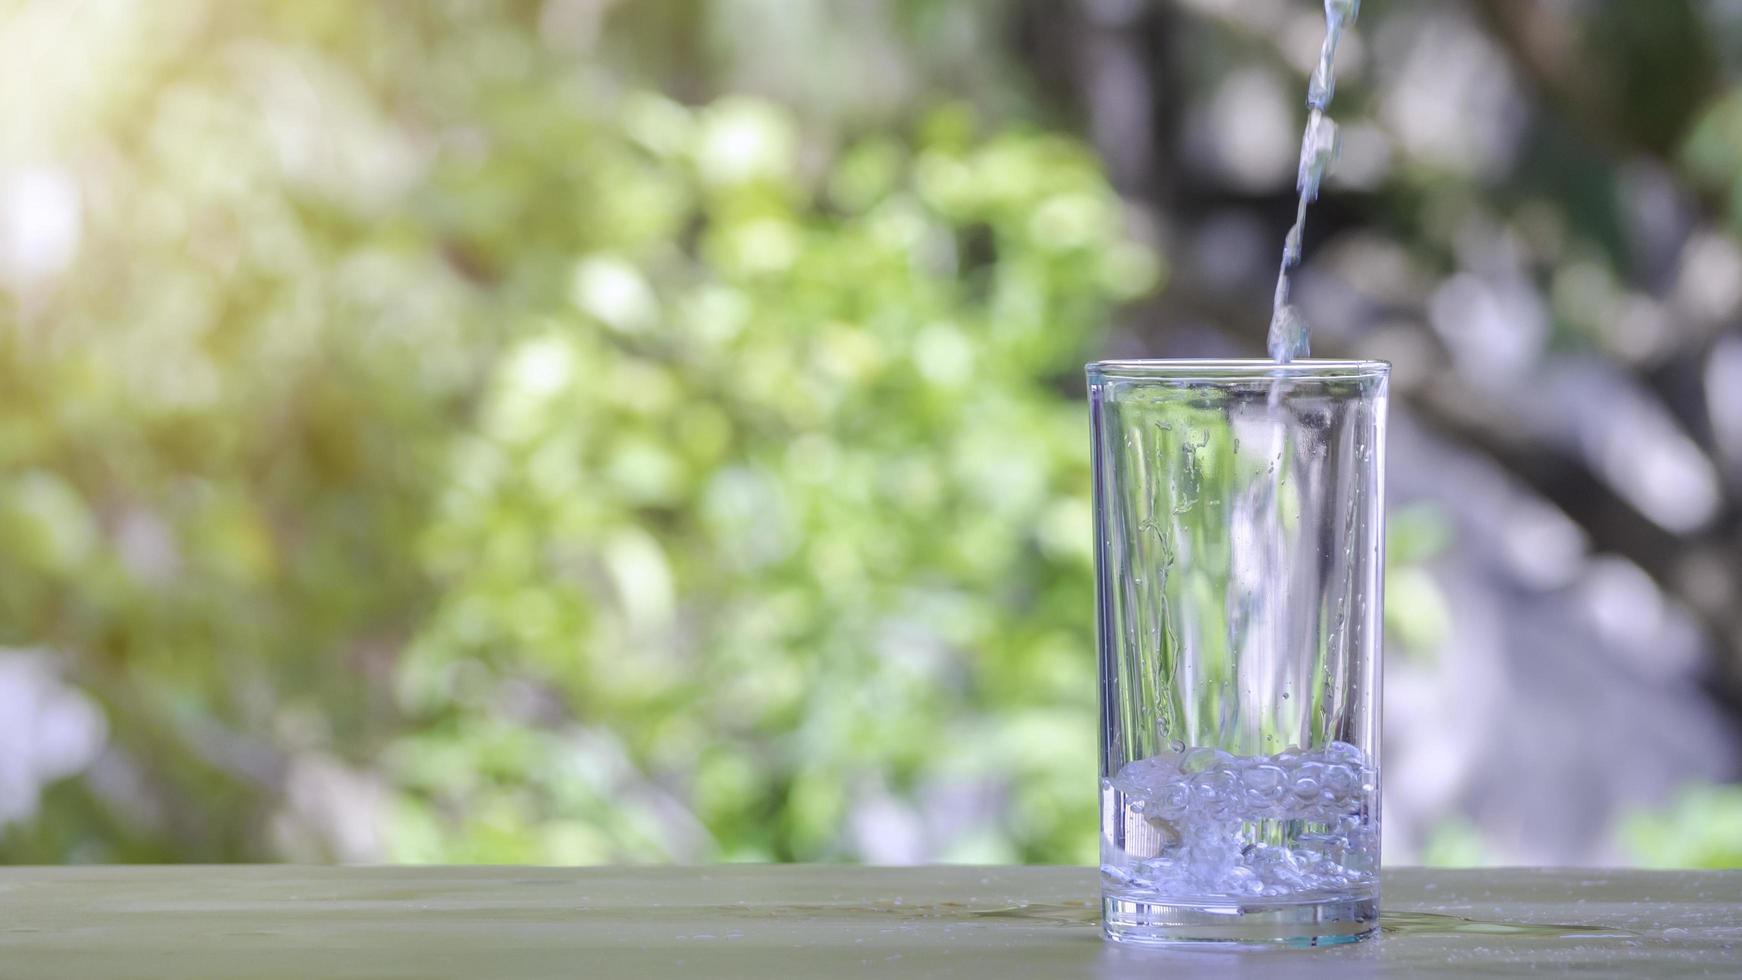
1239	513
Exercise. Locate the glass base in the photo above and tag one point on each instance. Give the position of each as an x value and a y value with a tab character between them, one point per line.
1260	922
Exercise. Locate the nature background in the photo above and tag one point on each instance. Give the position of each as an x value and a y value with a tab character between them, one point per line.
585	431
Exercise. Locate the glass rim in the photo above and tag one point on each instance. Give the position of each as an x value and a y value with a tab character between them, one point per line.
1191	369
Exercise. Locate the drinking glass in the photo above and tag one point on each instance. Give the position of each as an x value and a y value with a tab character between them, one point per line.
1239	517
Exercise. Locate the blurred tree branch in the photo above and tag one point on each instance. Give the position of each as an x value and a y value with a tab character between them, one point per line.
1659	70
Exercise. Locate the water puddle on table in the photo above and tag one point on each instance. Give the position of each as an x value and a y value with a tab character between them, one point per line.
1088	915
1058	914
1437	924
1072	914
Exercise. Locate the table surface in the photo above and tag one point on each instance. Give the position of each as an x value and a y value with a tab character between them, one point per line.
779	922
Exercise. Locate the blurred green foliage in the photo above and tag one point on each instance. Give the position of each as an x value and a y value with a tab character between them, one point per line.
1703	829
1417	620
442	451
459	434
1456	843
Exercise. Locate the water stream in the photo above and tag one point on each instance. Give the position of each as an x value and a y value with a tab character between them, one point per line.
1318	148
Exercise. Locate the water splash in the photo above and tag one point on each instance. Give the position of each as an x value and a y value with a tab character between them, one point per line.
1206	822
1318	148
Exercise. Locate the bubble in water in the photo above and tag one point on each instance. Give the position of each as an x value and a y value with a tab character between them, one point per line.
1222	781
1264	783
1174	800
1340	781
1193	832
1203	759
1344	754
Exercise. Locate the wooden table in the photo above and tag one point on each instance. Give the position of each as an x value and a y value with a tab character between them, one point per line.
783	922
